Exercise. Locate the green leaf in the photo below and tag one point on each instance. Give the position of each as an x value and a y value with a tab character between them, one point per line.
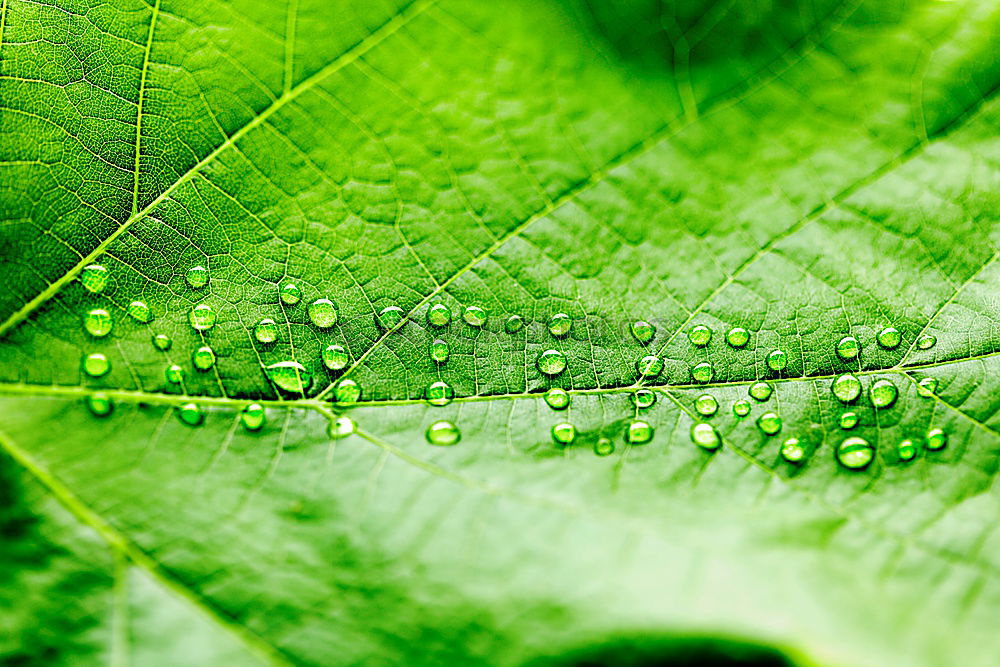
807	171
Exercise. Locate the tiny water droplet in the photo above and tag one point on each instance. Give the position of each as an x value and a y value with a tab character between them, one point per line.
792	450
906	450
99	403
638	432
347	391
253	416
440	351
855	453
474	316
322	313
705	436
706	405
174	374
513	324
738	337
769	423
203	358
162	342
341	427
190	414
94	278
197	277
290	294
604	446
649	366
95	365
848	348
643	331
557	399
700	335
848	420
335	357
927	386
140	312
560	324
390	317
926	342
563	433
97	322
760	391
644	398
202	317
936	439
290	376
741	408
266	331
440	393
551	362
846	388
883	393
443	433
702	372
777	360
439	315
889	338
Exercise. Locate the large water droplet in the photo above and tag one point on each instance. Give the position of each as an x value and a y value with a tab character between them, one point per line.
443	432
290	294
760	391
474	316
197	277
848	420
883	393
560	324
190	414
174	374
266	331
649	366
889	338
440	393
202	317
936	439
638	432
140	312
551	362
906	450
97	322
848	348
927	386
926	342
203	358
702	372
706	405
290	376
846	388
777	360
390	317
513	324
644	398
253	416
440	351
94	277
99	404
322	313
741	408
769	423
439	315
604	446
563	433
162	342
705	436
738	337
347	391
557	399
855	453
700	335
335	357
95	365
792	450
643	331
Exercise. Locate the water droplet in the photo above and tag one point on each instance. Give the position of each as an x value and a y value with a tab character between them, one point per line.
290	294
197	277
140	312
563	433
927	386
440	393
846	388
604	446
513	324
855	453
643	331
202	317
702	372
290	376
439	315
638	432
649	366
474	316
253	416
203	358
848	420
347	391
741	408
94	277
848	348
705	436
777	360
266	331
557	399
99	403
190	414
162	342
440	351
792	450
760	391
738	337
700	335
95	365
551	362
443	432
174	374
906	450
390	317
769	423
644	398
889	338
706	405
98	322
335	357
883	393
341	427
560	324
936	439
322	313
926	342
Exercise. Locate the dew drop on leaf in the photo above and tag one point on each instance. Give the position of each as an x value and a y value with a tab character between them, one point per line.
513	324
855	453
266	331
760	391
390	317
440	351
334	357
94	278
560	325
643	331
702	372
439	393
848	420
140	312
883	393
95	365
190	414
848	348
777	360
644	398
557	399
290	294
769	423
439	315
638	432
203	358
174	374
551	362
889	338
846	388
604	446
341	427
347	391
906	450
936	439
700	335
705	436
792	450
97	322
649	366
741	408
197	277
290	376
99	404
443	432
322	313
563	433
253	416
162	342
202	317
474	316
926	342
706	405
927	386
738	337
